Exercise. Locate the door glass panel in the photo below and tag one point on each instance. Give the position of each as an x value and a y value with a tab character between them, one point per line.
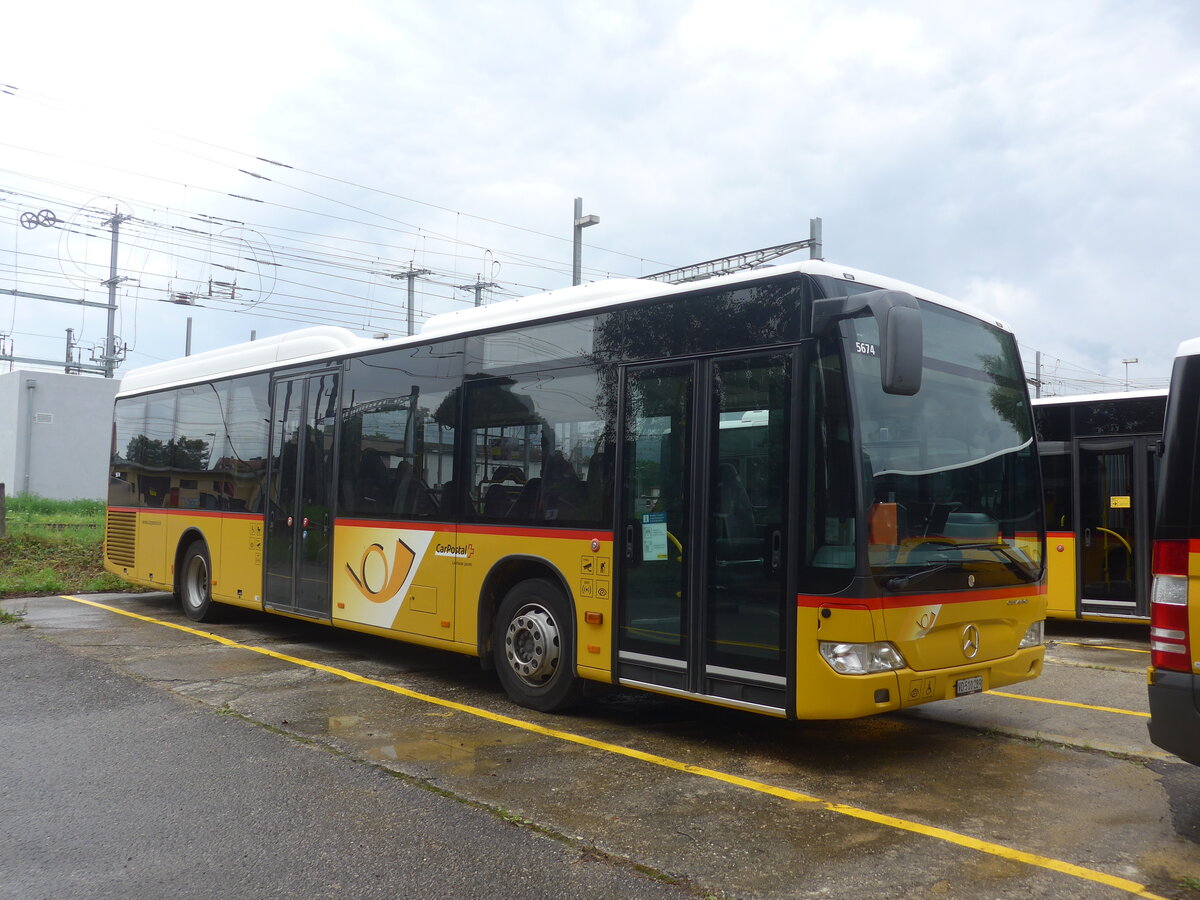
287	419
299	528
745	612
315	500
657	452
1107	506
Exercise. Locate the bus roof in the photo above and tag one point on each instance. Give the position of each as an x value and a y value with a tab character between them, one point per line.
1100	398
328	341
1189	348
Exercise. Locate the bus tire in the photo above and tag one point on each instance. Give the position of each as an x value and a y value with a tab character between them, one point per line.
195	585
533	646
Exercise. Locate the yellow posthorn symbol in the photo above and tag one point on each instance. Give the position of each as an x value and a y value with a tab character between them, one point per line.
401	564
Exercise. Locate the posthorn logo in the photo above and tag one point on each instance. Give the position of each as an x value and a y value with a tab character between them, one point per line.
380	580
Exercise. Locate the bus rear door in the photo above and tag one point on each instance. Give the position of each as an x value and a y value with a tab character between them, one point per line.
1115	510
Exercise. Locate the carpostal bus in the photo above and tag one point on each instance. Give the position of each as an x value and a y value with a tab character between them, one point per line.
1099	455
1174	673
805	490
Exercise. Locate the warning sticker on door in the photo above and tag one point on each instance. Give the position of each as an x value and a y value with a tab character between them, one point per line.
654	535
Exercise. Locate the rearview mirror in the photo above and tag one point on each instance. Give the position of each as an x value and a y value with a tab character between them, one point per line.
902	338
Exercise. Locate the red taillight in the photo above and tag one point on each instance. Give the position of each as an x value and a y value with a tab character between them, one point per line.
1170	647
1170	558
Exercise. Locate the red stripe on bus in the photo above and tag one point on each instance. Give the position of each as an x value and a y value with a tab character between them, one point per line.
814	601
175	511
491	530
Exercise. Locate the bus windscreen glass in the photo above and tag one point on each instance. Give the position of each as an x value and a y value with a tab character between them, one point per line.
950	475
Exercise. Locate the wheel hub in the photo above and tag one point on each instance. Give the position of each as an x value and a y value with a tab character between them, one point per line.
531	645
196	583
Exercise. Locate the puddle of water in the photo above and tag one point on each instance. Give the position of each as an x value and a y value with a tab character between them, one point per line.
465	753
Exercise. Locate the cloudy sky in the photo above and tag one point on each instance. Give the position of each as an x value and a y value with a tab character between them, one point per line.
282	163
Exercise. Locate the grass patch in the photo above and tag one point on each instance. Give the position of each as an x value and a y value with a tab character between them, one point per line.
54	547
11	618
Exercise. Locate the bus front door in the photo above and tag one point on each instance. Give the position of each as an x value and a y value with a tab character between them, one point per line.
1113	527
702	543
299	526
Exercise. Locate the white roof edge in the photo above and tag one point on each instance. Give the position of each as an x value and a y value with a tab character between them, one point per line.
599	294
578	298
323	341
820	267
314	343
1096	398
1189	348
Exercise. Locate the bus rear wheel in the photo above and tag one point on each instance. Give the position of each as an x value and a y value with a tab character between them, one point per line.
533	645
195	585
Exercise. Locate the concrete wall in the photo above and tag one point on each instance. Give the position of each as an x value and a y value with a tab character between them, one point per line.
55	439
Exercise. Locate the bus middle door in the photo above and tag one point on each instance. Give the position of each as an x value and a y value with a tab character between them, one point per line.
299	526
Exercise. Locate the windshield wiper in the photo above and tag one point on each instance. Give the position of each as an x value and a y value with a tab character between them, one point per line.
1021	562
904	582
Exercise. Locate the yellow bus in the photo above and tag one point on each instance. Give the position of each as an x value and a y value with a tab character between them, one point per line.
1099	455
804	490
1174	673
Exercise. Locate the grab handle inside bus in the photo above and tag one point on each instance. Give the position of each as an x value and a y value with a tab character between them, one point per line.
900	334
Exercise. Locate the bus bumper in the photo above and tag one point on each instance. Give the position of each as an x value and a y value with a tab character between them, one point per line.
1174	715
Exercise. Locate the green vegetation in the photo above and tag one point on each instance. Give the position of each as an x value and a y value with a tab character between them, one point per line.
53	547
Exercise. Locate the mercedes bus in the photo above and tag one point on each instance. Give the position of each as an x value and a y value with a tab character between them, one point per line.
803	490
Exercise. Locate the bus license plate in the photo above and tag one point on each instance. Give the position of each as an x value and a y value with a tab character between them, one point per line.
965	686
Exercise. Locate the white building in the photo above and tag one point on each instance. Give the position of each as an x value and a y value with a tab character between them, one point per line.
55	434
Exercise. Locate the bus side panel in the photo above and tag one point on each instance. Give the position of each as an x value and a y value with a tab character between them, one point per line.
410	579
237	565
587	573
153	566
1061	590
398	578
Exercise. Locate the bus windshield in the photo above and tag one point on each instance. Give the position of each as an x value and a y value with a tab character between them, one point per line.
950	475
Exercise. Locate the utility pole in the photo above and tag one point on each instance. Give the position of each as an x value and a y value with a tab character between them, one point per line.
478	287
412	275
47	219
1128	363
109	360
581	222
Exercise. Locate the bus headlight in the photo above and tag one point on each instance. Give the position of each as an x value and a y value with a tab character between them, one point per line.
1034	637
861	659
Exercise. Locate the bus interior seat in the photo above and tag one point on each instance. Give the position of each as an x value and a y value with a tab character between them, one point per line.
412	494
525	507
563	491
373	487
498	499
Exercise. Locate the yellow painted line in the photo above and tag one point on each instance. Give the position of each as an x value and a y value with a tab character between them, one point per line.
1108	709
1100	647
942	834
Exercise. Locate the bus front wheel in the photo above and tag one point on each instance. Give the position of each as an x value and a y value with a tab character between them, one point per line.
533	642
195	585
